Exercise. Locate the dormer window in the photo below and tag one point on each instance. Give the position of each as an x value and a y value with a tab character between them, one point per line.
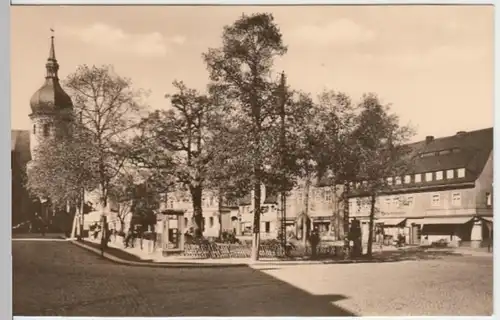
407	178
439	175
450	174
418	178
461	172
428	176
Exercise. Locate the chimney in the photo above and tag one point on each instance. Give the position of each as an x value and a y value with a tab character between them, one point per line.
429	139
459	133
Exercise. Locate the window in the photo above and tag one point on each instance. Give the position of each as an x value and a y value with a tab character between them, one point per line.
351	205
488	199
450	174
328	196
267	227
409	201
389	181
439	175
428	176
34	129
456	199
185	222
407	178
461	173
418	178
428	154
211	222
395	202
436	200
398	180
387	202
443	152
171	204
366	203
46	130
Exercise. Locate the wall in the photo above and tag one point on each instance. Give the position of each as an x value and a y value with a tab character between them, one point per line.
484	185
387	206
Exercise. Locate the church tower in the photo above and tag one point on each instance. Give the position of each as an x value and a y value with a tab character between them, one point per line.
51	107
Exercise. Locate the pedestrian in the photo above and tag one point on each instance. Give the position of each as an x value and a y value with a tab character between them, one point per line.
314	239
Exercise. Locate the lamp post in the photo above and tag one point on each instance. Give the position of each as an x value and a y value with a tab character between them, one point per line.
283	157
82	195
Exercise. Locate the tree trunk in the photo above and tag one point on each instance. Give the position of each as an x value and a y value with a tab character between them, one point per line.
256	221
197	197
370	225
345	202
220	214
305	217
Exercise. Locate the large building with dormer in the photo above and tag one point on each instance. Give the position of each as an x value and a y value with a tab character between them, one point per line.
447	195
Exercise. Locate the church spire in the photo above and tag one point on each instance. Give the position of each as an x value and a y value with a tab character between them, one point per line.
52	66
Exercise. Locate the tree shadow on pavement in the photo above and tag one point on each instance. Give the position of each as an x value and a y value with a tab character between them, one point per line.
67	280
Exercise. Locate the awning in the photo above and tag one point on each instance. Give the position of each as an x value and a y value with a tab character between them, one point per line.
445	220
490	219
390	222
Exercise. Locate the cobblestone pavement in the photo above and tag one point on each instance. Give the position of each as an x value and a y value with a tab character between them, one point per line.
57	278
451	285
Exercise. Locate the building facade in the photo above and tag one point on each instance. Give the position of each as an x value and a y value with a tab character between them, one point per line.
324	210
447	195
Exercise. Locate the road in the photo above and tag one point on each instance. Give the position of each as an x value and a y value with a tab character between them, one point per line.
432	286
57	278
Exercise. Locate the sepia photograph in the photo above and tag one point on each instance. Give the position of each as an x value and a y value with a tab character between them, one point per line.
237	160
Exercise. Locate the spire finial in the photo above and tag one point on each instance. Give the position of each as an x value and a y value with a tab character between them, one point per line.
52	53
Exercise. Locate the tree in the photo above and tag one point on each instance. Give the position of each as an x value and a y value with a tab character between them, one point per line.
110	109
178	141
382	150
337	151
242	69
64	165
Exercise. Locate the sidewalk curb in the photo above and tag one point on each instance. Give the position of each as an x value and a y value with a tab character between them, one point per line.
156	264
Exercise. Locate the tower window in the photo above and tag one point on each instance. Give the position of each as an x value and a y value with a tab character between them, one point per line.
34	129
46	130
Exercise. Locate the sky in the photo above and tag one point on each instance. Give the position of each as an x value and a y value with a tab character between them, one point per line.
433	64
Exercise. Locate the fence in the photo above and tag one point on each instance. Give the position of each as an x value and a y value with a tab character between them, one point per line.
218	251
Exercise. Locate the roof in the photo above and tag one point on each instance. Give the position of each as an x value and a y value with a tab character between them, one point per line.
20	144
51	96
469	150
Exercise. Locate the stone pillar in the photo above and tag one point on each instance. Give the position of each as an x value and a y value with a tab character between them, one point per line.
476	235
